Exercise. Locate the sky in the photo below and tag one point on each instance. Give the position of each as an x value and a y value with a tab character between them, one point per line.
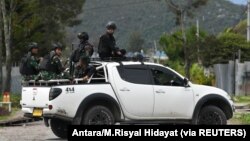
239	1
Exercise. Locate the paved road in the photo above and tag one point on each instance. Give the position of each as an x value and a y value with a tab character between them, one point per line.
35	131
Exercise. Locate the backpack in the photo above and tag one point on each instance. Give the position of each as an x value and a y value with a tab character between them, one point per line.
46	62
23	68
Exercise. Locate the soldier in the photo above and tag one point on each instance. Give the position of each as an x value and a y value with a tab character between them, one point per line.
52	65
83	69
29	66
107	44
84	49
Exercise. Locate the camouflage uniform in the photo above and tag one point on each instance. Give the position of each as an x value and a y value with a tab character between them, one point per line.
33	67
55	69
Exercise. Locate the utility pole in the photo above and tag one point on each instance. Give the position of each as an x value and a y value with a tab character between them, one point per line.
198	40
155	52
248	21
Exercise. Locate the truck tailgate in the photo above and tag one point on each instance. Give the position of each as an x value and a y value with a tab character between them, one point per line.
35	97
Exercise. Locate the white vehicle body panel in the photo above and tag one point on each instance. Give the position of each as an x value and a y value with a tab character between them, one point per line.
35	97
66	104
137	100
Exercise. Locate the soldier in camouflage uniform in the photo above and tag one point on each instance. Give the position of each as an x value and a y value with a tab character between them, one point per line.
54	68
31	66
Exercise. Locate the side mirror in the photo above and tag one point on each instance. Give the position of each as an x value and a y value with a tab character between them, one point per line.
185	82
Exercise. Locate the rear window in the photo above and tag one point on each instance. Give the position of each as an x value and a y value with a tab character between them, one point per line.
135	75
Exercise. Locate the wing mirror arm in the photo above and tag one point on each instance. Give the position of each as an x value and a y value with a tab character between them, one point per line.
185	82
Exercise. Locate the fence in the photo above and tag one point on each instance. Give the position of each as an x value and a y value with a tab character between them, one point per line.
233	77
15	79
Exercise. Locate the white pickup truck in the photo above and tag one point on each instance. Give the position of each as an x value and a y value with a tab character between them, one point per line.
126	93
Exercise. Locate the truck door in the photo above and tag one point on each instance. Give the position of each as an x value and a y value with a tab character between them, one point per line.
172	98
134	89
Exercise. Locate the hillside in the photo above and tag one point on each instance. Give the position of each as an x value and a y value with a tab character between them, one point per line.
151	18
240	28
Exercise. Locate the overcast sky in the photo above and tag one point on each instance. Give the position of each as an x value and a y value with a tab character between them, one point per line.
239	1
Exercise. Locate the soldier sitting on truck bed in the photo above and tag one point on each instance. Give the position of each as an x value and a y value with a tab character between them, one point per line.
51	66
83	69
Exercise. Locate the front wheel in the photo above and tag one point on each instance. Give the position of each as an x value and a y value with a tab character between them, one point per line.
211	115
59	128
98	115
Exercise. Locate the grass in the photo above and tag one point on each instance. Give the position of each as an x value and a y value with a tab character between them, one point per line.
5	117
244	118
241	99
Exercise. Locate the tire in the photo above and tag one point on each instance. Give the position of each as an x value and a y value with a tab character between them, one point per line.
211	115
98	115
59	128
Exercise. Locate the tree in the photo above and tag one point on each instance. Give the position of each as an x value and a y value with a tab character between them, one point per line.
42	21
6	10
135	42
1	61
223	48
182	10
173	45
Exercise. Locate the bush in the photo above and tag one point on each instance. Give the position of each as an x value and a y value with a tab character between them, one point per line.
196	73
198	76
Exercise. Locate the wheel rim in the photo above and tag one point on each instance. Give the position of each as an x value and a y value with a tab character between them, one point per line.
210	118
100	118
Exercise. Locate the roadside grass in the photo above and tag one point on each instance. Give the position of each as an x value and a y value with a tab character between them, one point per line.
244	118
8	115
241	99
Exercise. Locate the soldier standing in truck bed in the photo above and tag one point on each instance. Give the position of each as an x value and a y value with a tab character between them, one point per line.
29	66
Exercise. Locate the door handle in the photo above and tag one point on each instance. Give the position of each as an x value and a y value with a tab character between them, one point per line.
125	90
160	92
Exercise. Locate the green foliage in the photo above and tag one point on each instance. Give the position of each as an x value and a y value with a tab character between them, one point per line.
176	65
198	76
42	21
211	52
245	118
223	48
241	99
239	28
173	44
